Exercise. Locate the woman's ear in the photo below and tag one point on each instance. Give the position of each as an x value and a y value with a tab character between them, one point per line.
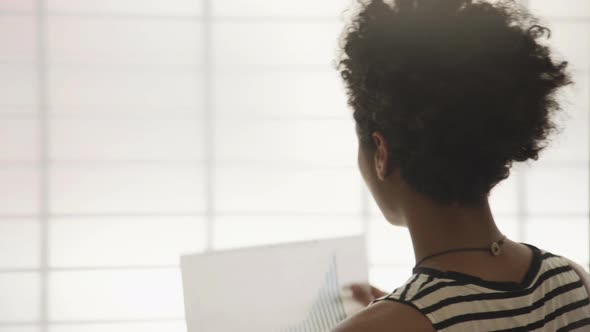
381	156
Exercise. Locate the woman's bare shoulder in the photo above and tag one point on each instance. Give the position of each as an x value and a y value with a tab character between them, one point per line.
387	316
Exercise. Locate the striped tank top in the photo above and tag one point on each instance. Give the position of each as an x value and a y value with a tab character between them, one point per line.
552	297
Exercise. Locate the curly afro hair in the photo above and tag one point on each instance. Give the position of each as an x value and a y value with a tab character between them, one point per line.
460	89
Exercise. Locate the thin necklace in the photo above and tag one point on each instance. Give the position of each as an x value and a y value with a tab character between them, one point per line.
495	249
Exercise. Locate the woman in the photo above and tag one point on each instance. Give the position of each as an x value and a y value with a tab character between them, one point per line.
447	95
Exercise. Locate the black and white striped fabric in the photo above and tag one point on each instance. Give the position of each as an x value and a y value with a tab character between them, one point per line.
552	297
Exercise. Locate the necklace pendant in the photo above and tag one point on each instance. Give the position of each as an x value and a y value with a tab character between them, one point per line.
495	249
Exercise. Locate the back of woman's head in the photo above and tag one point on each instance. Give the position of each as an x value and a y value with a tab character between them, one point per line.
461	90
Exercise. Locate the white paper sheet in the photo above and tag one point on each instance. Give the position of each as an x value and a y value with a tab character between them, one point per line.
281	288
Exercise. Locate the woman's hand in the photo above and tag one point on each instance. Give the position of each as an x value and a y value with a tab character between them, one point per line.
365	294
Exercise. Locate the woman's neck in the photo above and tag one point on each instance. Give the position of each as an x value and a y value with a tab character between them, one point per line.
435	228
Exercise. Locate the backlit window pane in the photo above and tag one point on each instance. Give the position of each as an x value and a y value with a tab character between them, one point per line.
557	190
17	5
19	193
510	226
254	189
18	88
561	236
265	44
177	326
20	329
19	243
18	38
19	139
161	7
117	41
115	295
315	142
504	197
562	8
388	278
305	8
572	41
124	241
127	138
390	245
234	232
281	94
132	189
74	89
19	297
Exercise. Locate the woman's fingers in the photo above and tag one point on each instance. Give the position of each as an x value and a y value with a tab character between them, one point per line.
362	294
365	294
377	293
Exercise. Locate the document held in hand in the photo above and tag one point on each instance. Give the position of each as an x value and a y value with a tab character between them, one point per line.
294	287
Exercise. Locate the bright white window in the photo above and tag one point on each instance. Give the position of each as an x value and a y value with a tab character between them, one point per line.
133	131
